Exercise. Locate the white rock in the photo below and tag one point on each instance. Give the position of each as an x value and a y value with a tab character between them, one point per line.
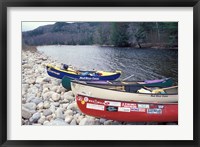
73	122
55	97
78	120
46	105
59	113
68	112
54	88
35	100
46	122
25	86
56	104
47	86
70	93
26	66
52	108
56	82
73	106
68	96
30	81
49	117
87	121
47	95
64	106
30	95
54	116
68	119
41	120
56	122
40	105
45	90
38	94
33	90
62	89
39	80
30	106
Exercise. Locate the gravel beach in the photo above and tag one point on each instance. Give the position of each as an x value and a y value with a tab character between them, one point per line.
46	102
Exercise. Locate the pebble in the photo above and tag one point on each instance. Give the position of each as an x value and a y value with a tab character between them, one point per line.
39	80
30	106
46	105
41	120
108	122
35	100
68	119
56	104
40	105
68	96
68	112
55	97
35	117
45	90
59	113
73	106
47	112
26	113
73	122
87	121
52	108
47	95
56	122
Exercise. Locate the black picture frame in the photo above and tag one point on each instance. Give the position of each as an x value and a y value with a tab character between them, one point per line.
4	4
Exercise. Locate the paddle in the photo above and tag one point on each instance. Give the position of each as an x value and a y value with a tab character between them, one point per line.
117	88
127	78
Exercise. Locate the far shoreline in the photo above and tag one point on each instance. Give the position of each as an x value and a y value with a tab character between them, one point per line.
34	48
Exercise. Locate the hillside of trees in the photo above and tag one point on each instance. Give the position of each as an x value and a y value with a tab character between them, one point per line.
120	34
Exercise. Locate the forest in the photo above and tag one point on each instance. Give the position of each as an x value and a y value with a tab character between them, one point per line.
119	34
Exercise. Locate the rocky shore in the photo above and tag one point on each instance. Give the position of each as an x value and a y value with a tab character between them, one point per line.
46	102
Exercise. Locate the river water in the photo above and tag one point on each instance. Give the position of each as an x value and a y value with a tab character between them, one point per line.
142	64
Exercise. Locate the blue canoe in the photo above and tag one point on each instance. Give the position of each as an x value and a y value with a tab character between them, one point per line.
82	75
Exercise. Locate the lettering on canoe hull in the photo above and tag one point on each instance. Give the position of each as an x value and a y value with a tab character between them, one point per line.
88	78
158	95
154	111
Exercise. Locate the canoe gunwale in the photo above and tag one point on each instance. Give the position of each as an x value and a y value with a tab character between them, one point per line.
73	75
169	103
91	85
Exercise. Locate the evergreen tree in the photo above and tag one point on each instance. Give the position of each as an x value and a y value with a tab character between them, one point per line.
119	34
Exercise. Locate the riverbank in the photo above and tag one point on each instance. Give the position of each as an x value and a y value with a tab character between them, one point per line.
46	102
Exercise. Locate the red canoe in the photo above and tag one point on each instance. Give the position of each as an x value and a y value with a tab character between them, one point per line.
128	111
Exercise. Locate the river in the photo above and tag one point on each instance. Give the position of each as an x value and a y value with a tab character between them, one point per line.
142	64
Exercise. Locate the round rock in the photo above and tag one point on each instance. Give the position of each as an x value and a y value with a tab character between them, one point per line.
55	97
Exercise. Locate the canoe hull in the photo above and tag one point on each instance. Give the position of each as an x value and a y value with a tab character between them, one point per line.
127	111
61	73
103	93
